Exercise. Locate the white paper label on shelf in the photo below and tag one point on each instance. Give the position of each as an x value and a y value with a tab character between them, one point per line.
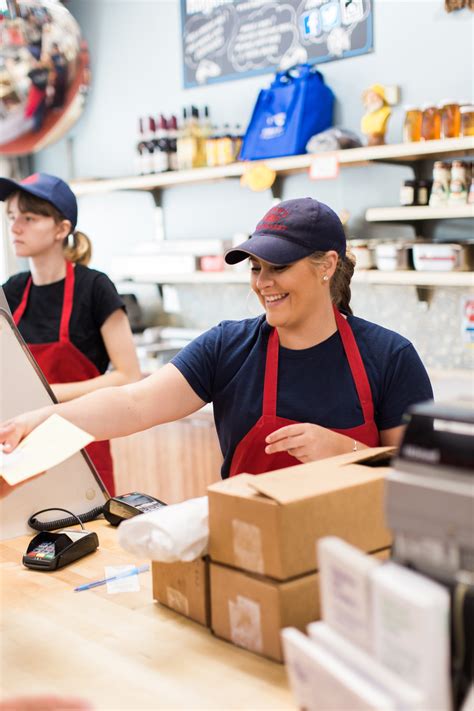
324	167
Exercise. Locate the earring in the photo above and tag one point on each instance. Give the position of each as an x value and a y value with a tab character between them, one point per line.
70	240
325	277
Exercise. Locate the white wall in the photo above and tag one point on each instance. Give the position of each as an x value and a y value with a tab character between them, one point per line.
136	70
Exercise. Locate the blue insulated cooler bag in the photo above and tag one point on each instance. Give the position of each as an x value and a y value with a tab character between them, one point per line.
297	105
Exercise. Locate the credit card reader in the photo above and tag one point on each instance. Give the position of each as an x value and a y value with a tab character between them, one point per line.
50	551
119	508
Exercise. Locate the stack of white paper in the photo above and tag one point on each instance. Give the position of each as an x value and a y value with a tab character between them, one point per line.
346	597
411	631
403	695
322	682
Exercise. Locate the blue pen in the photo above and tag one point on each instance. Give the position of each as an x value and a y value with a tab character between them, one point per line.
125	574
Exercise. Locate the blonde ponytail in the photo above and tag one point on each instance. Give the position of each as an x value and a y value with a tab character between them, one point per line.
77	248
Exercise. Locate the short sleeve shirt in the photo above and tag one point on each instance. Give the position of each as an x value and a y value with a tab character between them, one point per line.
226	365
95	299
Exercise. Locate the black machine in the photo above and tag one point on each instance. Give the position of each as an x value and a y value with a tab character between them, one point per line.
50	551
115	510
429	506
119	508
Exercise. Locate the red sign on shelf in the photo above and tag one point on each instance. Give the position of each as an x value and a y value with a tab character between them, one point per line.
324	167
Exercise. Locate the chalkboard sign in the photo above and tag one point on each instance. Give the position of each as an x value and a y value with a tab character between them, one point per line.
230	39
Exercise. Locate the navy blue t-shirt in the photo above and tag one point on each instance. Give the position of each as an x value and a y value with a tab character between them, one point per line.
226	365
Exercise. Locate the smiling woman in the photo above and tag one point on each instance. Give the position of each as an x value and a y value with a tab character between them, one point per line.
304	381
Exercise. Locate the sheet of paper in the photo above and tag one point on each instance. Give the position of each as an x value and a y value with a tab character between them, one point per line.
50	443
129	583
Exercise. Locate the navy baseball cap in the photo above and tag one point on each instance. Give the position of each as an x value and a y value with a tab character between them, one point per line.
47	187
290	231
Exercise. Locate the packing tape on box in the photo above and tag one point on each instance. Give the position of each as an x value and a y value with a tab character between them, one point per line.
245	623
247	542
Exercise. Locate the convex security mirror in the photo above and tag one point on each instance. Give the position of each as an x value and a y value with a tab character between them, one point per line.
44	74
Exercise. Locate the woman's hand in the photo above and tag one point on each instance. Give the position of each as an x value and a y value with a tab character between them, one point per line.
307	442
14	430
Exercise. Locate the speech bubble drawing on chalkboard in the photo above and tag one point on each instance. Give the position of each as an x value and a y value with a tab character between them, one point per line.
295	55
269	33
206	70
206	37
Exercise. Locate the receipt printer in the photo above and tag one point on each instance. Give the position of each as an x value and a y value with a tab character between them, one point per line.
429	499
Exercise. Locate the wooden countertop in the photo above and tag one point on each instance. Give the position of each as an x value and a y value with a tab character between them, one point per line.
119	651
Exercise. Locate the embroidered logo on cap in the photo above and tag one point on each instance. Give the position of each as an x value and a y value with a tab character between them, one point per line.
30	179
272	221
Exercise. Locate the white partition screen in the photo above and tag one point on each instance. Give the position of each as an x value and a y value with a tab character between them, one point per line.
73	484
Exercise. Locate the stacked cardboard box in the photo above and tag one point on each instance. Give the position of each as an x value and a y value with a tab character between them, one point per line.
263	534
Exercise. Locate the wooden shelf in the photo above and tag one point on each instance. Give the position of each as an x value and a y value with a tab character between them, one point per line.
397	152
414	278
407	214
372	276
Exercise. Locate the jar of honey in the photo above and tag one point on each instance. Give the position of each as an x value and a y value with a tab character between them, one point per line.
467	120
430	123
412	124
450	118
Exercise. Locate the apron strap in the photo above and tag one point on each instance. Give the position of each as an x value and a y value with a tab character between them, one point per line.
271	375
356	365
354	358
67	303
20	309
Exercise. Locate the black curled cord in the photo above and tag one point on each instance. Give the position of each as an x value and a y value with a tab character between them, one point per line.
72	519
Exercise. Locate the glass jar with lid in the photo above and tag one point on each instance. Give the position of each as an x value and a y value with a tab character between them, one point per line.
441	179
408	193
458	185
467	120
412	124
430	123
363	252
450	118
423	188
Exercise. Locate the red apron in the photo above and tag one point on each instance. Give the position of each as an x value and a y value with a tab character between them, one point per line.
62	362
249	455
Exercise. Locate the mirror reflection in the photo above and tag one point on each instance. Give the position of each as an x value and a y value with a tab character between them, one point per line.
44	74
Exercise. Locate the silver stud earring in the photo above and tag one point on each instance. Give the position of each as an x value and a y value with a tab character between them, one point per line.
325	277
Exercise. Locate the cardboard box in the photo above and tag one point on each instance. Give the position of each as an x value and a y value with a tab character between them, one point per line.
184	587
269	524
250	610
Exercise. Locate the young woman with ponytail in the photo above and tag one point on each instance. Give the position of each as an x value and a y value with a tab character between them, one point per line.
71	317
304	381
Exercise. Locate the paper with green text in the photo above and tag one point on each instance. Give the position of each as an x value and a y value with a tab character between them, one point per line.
49	444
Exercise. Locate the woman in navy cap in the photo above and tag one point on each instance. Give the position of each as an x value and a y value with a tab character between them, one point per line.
304	381
71	317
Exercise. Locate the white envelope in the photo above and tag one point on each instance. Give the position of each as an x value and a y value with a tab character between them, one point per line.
55	440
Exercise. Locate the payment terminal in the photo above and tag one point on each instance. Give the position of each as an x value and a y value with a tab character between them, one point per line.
119	508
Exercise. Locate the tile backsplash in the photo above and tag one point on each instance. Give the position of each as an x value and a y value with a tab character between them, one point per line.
434	329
